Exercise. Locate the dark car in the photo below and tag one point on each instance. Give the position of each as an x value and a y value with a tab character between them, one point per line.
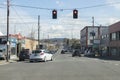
2	55
24	54
62	52
76	53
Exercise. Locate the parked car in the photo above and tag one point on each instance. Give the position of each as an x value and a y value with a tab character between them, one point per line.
2	55
89	53
24	54
64	51
76	53
40	55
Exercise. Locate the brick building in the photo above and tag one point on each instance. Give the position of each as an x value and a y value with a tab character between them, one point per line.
90	36
114	45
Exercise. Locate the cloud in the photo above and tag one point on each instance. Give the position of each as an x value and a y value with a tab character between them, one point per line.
117	6
18	22
57	27
113	20
59	3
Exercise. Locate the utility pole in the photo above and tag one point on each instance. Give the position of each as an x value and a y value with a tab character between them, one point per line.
72	33
93	22
38	30
8	5
93	33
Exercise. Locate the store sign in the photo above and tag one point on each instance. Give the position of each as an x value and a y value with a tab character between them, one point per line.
96	41
13	44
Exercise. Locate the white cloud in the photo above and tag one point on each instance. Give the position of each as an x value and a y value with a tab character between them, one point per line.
57	27
59	3
117	6
17	22
113	20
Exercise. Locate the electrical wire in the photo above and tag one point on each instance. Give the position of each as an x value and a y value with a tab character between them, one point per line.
87	7
101	5
19	16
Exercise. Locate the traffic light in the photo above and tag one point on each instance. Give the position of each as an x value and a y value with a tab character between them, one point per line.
54	14
75	14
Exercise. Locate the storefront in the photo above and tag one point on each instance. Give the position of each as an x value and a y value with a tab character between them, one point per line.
12	46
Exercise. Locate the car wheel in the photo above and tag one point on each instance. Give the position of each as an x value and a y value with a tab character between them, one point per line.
30	61
45	59
20	59
51	59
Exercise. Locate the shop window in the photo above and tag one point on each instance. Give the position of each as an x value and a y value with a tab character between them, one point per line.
119	35
113	36
114	51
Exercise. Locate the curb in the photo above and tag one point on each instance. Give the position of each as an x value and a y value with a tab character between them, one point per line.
4	62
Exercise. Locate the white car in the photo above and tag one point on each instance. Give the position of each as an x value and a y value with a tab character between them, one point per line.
41	55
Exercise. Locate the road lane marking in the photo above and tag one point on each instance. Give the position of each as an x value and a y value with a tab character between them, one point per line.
117	64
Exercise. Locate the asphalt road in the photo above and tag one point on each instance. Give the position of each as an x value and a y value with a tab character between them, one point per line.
64	67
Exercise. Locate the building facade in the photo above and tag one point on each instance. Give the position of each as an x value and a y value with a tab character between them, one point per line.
12	44
104	42
90	37
114	45
31	44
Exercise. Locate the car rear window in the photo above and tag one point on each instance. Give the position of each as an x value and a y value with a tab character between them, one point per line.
36	51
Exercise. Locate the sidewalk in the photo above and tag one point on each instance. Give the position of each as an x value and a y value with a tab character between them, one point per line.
109	58
12	60
3	62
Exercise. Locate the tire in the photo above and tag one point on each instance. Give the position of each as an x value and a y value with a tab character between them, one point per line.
45	59
20	59
51	59
31	61
79	55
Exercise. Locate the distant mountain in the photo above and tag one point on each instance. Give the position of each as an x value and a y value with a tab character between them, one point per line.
54	40
57	39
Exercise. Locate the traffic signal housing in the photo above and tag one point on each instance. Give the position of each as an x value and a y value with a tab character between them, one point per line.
75	14
54	14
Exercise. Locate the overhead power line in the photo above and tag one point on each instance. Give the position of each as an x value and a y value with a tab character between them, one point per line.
94	6
87	7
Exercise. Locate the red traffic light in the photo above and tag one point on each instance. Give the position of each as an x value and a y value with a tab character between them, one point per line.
75	14
54	14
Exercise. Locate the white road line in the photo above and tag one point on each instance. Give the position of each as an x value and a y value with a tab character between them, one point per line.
117	64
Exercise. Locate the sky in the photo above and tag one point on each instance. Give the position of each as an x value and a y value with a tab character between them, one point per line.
24	20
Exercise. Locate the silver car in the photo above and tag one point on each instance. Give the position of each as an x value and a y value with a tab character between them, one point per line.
40	55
